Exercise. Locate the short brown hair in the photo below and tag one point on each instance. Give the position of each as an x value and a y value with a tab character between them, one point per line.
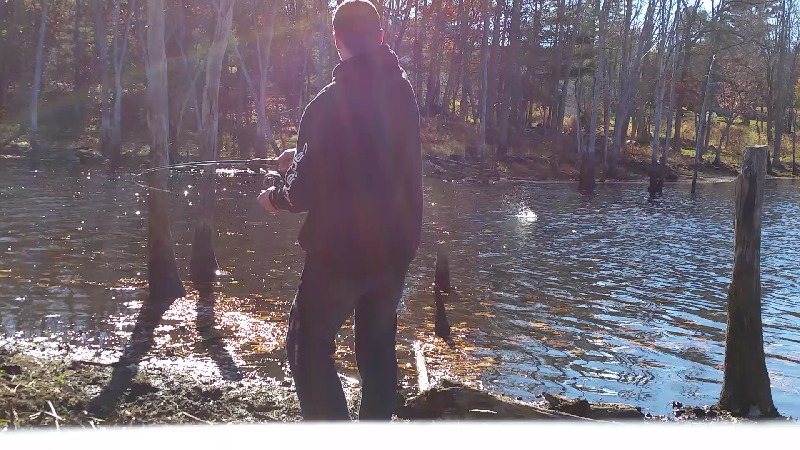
358	25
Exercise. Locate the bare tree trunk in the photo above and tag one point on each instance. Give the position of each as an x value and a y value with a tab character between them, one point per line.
745	382
263	130
587	162
562	107
699	133
494	65
484	85
668	132
33	130
513	78
659	99
452	75
203	264
558	95
629	86
432	90
794	138
709	123
610	82
101	40
417	51
4	59
781	88
163	278
726	133
323	15
465	47
80	93
119	62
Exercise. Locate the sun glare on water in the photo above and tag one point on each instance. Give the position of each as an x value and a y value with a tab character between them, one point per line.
527	215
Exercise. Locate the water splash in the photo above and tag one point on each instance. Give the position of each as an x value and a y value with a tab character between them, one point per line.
527	215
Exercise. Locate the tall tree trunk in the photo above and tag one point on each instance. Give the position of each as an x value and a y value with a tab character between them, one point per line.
119	63
263	130
417	51
745	382
610	83
80	85
163	278
699	134
558	95
101	40
4	63
779	116
686	48
494	65
628	87
562	107
203	264
659	99
452	76
794	138
33	130
433	88
587	162
465	47
484	85
725	134
672	83
323	15
513	78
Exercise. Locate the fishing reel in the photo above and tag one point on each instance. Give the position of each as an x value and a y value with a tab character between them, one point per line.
273	179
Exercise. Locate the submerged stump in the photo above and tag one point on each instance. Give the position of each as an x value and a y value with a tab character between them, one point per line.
745	384
442	292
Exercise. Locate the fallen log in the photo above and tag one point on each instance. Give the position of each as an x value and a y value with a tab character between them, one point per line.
449	400
596	411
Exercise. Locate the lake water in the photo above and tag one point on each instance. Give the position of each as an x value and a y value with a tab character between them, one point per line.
611	297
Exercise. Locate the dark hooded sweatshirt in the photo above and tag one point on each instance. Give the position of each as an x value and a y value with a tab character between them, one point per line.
358	170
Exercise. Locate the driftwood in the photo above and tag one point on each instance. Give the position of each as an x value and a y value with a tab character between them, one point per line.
453	401
596	411
450	400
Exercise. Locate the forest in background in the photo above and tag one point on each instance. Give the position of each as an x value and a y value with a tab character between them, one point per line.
588	79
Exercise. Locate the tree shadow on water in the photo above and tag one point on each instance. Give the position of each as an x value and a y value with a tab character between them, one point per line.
141	342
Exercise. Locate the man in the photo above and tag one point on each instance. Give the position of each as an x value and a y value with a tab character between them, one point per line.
357	172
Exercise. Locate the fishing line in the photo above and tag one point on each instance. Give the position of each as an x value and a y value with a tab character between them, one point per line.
135	178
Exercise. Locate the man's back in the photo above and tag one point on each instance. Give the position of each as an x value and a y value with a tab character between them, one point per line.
359	148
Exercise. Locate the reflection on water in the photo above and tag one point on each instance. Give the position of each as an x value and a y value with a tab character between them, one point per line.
611	296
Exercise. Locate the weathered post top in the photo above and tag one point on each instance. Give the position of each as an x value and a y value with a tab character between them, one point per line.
745	383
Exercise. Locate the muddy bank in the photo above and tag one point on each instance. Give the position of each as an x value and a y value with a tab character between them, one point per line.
61	391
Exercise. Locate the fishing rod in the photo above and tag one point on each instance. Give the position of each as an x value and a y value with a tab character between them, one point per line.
268	162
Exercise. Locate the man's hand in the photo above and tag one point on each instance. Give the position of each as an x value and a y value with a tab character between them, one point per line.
285	160
265	202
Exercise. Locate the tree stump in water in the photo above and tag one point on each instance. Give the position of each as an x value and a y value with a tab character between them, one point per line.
442	291
745	383
657	175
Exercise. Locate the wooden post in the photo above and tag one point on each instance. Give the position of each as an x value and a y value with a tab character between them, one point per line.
745	384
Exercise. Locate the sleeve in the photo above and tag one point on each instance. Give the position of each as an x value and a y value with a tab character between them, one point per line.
297	193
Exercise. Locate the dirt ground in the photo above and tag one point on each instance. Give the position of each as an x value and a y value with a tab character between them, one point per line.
58	391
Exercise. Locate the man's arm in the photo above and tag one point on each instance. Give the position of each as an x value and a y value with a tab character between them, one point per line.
297	193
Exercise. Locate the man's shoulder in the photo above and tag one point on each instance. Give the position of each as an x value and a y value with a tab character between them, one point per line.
324	96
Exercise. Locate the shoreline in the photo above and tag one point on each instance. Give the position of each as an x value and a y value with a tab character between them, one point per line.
54	390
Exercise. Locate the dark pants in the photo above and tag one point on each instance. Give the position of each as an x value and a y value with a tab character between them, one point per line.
322	305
